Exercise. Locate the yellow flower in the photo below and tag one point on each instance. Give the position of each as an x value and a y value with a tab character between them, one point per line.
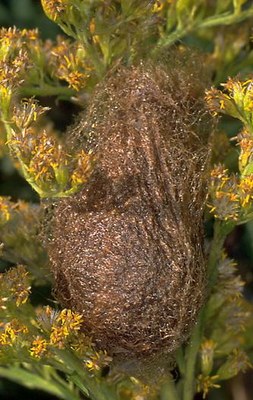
39	347
225	201
83	169
66	323
245	141
70	320
4	210
98	360
76	79
12	330
68	62
27	113
159	5
205	383
54	8
17	283
58	335
246	188
207	353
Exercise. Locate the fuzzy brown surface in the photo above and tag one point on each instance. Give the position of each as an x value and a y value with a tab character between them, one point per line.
127	251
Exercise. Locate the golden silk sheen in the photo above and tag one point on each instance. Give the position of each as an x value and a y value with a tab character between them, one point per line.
127	251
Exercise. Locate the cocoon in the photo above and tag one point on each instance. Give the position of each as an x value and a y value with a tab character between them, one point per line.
127	251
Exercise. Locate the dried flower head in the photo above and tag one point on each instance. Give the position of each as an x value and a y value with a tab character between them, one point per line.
127	252
236	362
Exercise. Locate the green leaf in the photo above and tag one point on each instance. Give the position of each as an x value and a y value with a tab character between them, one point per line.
33	381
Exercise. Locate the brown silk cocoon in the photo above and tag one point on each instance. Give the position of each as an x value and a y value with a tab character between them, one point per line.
127	251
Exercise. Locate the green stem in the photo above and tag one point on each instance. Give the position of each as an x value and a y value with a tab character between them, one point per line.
36	381
47	90
93	55
180	360
227	19
169	391
223	19
191	358
97	389
171	38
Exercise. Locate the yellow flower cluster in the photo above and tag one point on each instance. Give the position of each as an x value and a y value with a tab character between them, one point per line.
69	63
246	190
231	195
11	77
46	165
54	9
159	5
13	39
206	383
66	323
42	157
12	331
245	142
57	327
97	361
16	47
14	286
39	347
236	100
26	113
5	214
224	197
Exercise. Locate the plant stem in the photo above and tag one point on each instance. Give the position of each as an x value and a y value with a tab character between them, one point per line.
227	19
97	389
191	358
222	19
171	38
47	90
169	391
36	381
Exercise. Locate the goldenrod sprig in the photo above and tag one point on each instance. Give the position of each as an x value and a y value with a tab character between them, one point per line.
232	194
44	162
48	338
222	353
188	16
